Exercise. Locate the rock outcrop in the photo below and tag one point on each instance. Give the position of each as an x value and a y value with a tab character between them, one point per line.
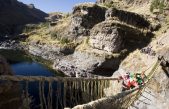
85	16
79	64
162	47
129	18
107	36
112	36
103	1
54	17
84	64
126	2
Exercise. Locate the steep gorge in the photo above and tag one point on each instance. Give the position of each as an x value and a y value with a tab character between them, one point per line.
99	40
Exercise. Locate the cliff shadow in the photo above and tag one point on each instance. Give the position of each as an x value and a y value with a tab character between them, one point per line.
10	91
133	39
15	14
165	67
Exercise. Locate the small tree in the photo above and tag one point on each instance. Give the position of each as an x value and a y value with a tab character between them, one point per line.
157	4
161	6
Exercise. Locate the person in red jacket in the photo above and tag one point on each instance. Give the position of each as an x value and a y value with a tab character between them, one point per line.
128	82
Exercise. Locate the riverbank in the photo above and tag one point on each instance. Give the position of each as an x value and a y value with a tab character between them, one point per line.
20	57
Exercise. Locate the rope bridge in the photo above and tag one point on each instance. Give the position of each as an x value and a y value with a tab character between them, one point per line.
141	90
60	92
122	100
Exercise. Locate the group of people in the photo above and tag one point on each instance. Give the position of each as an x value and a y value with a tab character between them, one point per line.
131	80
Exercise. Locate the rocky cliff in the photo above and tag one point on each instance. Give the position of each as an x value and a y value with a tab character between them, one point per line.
99	39
155	95
105	37
14	14
84	17
93	39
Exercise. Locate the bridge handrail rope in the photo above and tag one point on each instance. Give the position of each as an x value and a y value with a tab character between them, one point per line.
71	87
149	76
43	78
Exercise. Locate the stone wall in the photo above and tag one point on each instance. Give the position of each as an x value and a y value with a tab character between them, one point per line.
130	18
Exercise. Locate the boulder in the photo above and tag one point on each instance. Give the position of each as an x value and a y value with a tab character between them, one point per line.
107	36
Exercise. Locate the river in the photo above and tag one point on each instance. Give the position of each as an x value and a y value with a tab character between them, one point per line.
25	64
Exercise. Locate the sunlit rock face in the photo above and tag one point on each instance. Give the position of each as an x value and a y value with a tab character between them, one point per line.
103	1
163	47
107	36
127	2
85	16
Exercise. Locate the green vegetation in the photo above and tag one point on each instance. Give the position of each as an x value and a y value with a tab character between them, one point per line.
158	4
54	34
29	28
67	15
62	40
34	27
109	5
44	24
